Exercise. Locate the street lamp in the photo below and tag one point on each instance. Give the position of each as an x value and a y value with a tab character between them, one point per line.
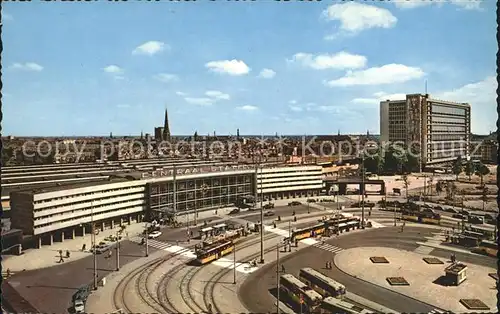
261	218
93	246
362	190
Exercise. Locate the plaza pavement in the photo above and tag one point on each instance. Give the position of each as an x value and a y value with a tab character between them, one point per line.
410	265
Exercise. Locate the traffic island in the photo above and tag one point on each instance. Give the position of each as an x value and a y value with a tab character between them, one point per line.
379	260
432	260
494	276
474	304
397	281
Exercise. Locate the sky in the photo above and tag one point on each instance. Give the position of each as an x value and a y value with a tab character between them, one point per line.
264	67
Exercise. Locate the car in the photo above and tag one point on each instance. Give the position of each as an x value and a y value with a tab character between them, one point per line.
311	200
101	248
154	234
269	213
268	206
490	219
79	306
464	212
437	207
458	216
234	211
294	203
451	210
476	220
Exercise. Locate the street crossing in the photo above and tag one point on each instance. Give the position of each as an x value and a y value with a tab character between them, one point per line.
424	250
328	247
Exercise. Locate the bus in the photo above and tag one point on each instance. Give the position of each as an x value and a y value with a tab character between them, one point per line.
430	218
334	305
300	292
486	247
322	284
485	231
206	232
211	253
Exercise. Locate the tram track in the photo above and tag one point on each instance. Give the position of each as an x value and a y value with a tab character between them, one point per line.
185	282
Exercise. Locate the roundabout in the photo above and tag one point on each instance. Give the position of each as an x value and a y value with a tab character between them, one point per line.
169	282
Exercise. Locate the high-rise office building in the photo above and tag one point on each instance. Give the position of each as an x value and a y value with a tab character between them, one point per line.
439	130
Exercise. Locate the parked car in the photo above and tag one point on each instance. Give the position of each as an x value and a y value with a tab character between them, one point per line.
101	248
464	212
154	234
437	207
311	200
79	306
294	203
234	211
451	210
490	219
268	206
458	216
269	213
476	220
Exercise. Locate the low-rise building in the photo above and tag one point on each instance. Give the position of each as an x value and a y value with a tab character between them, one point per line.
286	182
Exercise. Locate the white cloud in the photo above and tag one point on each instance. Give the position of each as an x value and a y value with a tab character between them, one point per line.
310	106
113	69
166	77
181	94
217	95
248	108
150	48
200	101
231	67
292	102
340	60
296	108
28	66
480	92
267	74
482	98
378	97
463	4
386	74
355	17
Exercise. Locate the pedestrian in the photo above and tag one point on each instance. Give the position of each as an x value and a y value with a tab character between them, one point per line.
296	243
209	308
61	259
67	254
84	246
282	268
60	252
8	272
110	253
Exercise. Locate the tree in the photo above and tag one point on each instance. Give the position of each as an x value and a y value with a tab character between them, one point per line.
457	167
374	164
481	171
469	169
484	197
439	187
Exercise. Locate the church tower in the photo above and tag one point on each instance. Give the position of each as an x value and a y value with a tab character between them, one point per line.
166	128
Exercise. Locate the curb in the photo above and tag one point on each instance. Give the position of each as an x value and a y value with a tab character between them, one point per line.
371	283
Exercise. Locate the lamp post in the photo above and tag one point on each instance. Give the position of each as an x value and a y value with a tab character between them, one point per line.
234	263
117	252
94	253
278	278
363	190
261	219
146	236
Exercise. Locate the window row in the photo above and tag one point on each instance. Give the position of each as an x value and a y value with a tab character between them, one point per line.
448	110
95	193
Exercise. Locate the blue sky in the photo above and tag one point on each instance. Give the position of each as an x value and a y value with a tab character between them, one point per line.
262	67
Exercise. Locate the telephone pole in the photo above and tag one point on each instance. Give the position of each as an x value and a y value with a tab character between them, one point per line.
147	236
117	253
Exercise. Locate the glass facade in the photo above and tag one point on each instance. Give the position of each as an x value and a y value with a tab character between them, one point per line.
203	193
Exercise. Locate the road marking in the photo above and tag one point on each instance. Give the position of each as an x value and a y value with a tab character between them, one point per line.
188	254
424	250
328	247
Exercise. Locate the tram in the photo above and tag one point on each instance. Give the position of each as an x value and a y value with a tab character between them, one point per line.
211	253
298	291
309	232
229	235
322	284
333	305
421	217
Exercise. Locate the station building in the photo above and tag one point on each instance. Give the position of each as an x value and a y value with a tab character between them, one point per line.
57	213
287	182
52	214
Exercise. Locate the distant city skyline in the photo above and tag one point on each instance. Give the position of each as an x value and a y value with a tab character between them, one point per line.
261	67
